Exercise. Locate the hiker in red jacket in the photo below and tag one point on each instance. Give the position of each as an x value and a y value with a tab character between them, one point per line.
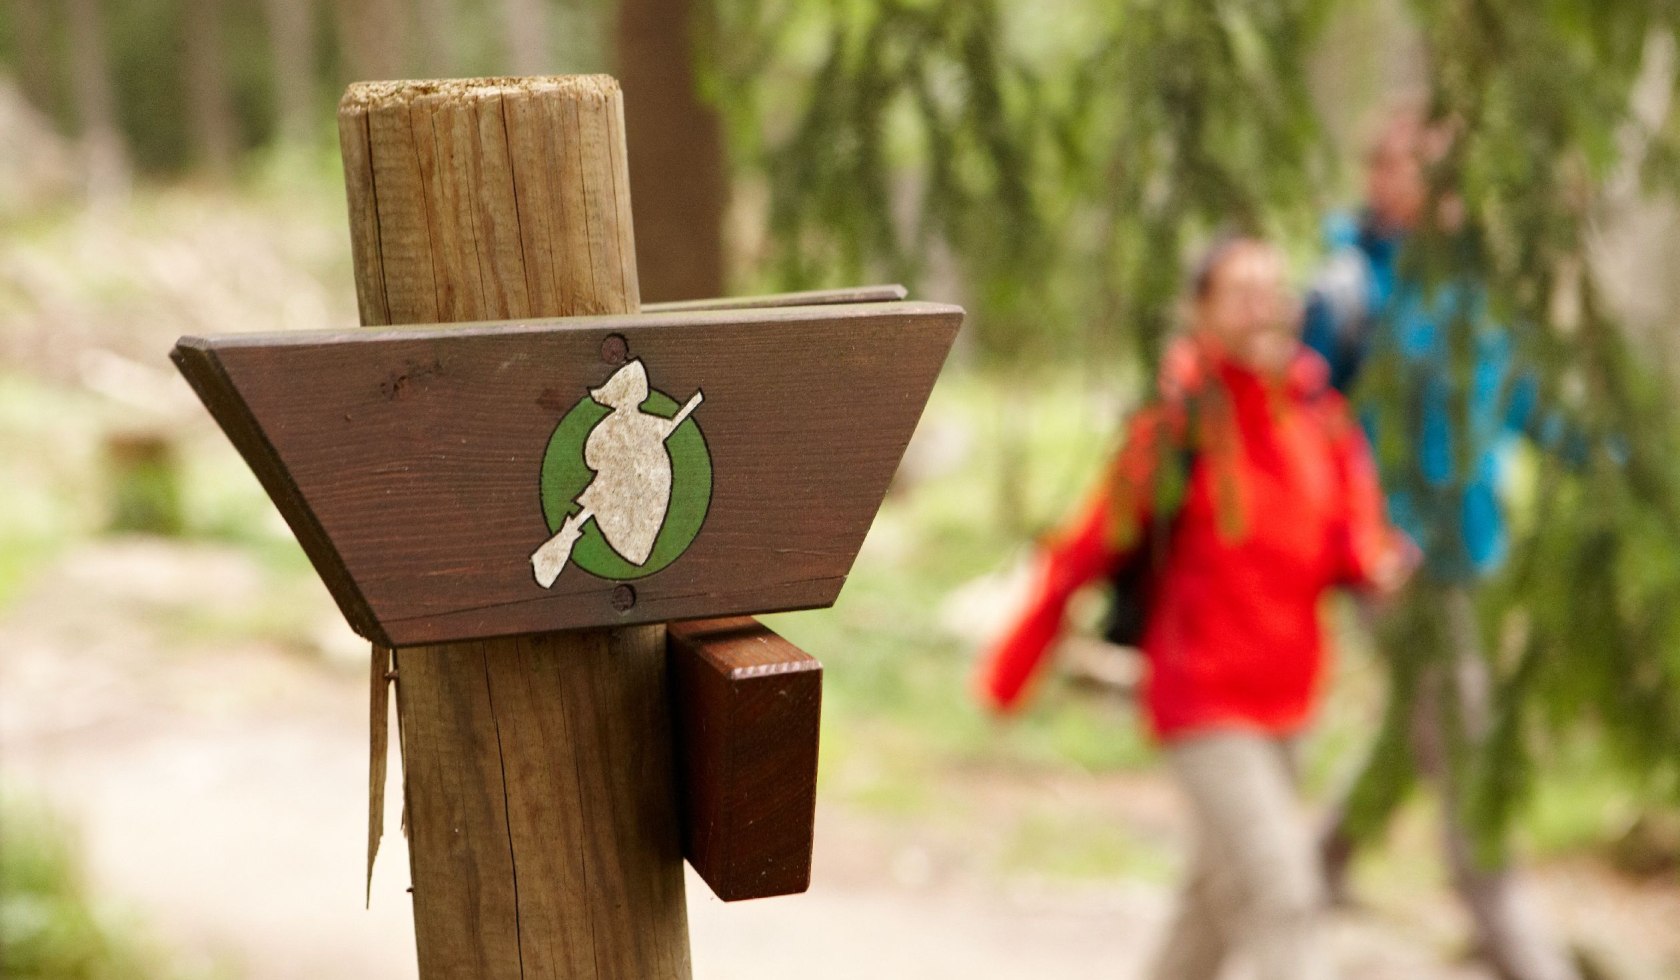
1250	486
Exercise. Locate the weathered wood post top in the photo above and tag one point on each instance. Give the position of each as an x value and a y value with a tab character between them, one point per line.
513	483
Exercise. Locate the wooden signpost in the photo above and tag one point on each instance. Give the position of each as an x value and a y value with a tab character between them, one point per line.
511	508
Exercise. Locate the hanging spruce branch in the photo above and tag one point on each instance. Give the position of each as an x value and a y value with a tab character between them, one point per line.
1064	156
1540	102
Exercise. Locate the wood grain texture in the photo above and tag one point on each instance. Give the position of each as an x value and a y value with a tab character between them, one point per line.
748	705
552	847
379	732
537	771
408	459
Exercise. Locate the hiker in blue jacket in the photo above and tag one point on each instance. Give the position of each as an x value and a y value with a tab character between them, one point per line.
1450	404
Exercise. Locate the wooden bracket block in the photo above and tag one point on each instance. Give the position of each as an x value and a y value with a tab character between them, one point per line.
747	705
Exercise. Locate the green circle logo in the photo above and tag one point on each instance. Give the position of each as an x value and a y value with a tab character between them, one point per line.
626	481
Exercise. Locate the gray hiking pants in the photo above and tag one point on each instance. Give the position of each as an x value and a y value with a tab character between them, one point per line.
1253	889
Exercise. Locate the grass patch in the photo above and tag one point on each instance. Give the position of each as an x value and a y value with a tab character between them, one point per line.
1582	804
47	437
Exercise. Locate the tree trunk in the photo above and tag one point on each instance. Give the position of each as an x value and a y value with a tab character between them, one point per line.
677	172
96	103
291	33
538	778
525	30
209	109
35	67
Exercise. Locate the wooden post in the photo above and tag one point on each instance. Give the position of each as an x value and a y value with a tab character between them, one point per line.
537	769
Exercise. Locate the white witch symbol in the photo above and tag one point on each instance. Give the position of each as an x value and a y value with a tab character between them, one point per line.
631	490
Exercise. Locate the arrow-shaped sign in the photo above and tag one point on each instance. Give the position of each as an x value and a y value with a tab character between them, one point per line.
423	470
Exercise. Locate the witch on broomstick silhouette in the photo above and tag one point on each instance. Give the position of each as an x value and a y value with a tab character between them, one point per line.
631	490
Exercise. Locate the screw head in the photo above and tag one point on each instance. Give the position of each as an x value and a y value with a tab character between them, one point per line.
615	350
623	597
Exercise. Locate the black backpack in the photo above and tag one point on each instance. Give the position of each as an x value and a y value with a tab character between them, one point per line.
1132	585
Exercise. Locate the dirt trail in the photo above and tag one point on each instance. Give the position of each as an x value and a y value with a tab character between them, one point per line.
218	783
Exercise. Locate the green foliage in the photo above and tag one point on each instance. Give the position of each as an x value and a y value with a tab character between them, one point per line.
145	45
1538	101
1063	154
1541	97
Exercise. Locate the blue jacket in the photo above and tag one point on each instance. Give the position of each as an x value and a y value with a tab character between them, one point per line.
1457	433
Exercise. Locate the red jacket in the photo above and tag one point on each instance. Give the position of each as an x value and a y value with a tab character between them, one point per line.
1282	503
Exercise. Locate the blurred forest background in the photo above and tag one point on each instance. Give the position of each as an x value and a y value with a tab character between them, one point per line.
181	734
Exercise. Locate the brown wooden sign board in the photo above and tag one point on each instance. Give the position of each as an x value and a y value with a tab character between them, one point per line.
423	469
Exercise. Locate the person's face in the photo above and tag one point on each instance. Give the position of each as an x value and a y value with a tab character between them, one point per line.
1249	313
1395	188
